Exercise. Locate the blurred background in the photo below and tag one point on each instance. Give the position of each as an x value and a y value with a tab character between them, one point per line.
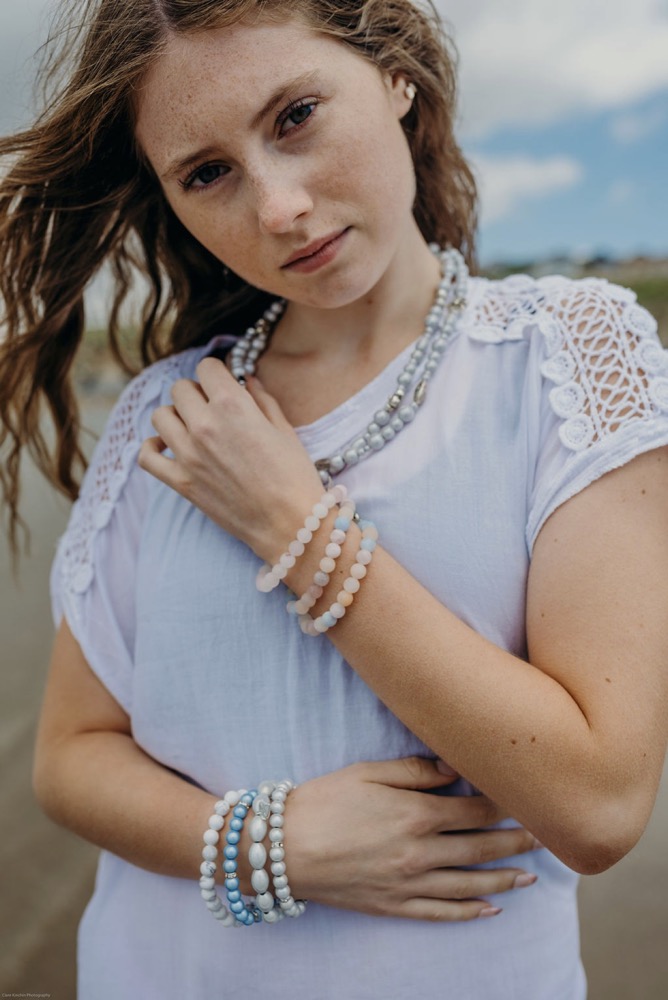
564	114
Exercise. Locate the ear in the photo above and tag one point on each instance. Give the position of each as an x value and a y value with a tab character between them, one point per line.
401	92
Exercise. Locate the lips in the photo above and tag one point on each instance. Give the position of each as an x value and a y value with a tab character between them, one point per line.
313	248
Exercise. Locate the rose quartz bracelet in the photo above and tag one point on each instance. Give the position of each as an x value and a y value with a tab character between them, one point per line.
269	577
345	598
327	563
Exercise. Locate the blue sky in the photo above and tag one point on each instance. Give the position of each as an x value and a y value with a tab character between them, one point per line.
564	113
609	196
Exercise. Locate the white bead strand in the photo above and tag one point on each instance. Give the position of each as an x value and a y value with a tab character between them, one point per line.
289	907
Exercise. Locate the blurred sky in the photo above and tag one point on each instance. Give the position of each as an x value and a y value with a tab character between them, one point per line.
564	113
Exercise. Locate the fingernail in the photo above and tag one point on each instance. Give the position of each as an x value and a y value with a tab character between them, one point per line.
490	911
444	768
522	881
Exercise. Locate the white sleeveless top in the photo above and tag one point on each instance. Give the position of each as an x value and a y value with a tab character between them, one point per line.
222	686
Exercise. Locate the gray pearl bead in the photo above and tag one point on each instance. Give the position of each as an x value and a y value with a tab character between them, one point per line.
397	424
337	464
382	418
373	428
377	442
388	433
404	379
351	457
407	414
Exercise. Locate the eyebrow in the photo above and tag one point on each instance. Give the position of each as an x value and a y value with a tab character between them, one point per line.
281	94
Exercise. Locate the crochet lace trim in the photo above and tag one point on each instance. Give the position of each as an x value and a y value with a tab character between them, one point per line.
603	356
108	473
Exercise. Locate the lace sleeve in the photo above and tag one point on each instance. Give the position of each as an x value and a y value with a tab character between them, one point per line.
93	572
605	394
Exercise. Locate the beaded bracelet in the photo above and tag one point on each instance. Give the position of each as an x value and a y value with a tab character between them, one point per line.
243	914
289	906
268	577
346	596
327	565
268	804
207	882
257	854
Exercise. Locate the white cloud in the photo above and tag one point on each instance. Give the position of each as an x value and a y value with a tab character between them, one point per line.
506	182
530	62
633	127
621	192
524	62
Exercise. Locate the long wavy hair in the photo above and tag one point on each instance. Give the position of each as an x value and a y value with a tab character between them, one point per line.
76	195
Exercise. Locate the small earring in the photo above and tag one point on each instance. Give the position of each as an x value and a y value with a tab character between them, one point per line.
410	91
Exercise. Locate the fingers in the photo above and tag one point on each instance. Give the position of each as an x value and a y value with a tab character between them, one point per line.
414	773
456	850
461	884
189	400
450	895
447	910
464	812
171	428
152	460
267	404
214	377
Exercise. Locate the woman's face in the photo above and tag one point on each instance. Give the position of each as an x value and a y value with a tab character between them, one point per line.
270	140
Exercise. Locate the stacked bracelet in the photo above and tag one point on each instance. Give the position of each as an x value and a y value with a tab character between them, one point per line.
346	596
328	563
268	577
268	805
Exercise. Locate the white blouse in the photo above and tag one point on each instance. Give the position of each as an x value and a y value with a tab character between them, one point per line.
545	386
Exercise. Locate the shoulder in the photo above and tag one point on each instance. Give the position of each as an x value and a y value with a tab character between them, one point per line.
113	479
516	307
594	348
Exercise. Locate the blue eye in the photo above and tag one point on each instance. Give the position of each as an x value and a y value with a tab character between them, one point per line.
296	115
204	176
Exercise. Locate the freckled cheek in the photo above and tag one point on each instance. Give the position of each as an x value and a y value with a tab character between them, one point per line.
214	227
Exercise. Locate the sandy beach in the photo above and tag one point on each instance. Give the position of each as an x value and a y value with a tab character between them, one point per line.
47	874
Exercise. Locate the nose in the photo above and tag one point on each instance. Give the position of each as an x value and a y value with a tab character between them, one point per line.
281	196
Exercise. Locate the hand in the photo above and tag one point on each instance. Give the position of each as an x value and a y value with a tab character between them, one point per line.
366	838
236	457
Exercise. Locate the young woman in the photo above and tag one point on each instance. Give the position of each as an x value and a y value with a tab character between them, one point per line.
285	169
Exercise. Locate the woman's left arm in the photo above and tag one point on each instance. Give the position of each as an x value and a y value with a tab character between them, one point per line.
571	743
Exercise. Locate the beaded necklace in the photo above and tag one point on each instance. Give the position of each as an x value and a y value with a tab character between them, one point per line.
400	409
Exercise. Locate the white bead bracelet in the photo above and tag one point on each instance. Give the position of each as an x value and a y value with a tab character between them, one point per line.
269	577
289	906
207	882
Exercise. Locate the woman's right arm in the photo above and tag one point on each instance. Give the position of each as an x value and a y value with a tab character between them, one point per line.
361	838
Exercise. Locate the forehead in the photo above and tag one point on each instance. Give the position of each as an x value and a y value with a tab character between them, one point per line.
230	67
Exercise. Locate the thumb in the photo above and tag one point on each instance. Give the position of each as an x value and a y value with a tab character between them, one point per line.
412	772
266	403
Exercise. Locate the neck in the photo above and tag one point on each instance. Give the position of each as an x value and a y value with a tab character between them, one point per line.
388	318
